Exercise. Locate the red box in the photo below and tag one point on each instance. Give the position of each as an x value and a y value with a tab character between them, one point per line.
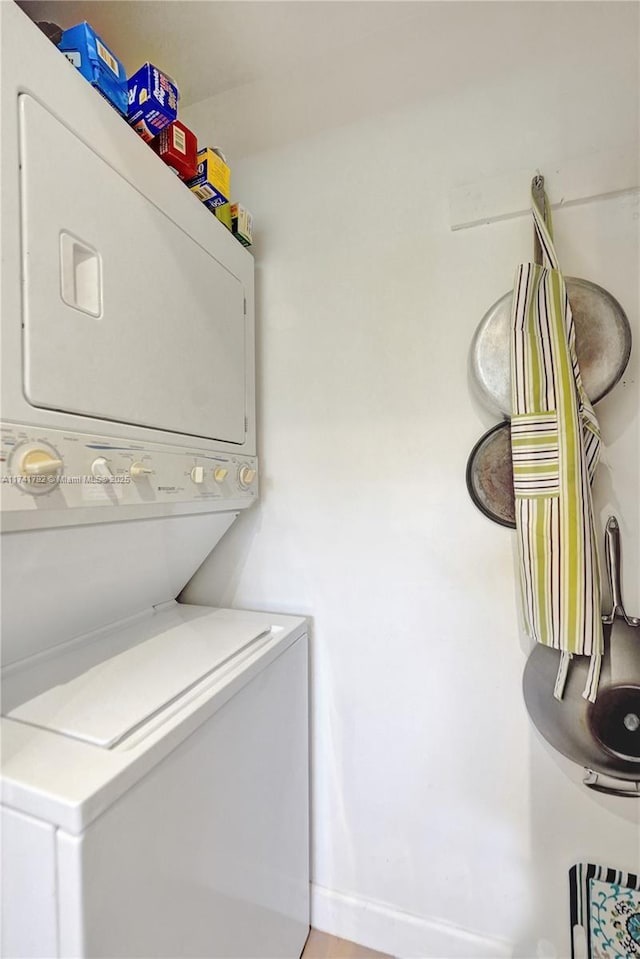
178	147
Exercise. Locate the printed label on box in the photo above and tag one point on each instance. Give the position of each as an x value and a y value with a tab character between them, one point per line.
204	192
104	54
179	139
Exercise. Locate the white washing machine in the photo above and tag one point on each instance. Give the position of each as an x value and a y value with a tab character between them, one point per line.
154	754
154	791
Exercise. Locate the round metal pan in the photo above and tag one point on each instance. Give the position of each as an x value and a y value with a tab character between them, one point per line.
568	724
603	736
603	344
490	475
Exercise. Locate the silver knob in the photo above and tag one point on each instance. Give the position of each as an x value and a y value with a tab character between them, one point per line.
100	468
139	470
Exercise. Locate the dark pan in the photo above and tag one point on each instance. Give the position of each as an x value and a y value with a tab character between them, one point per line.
490	475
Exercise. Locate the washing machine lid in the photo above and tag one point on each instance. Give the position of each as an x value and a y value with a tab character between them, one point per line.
103	705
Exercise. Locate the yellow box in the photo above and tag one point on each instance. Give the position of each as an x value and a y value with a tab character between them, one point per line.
212	184
223	213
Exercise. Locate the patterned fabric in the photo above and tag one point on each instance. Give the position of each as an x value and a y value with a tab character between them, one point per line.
606	903
555	447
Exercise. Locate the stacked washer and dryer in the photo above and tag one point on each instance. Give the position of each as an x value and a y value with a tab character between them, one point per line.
154	754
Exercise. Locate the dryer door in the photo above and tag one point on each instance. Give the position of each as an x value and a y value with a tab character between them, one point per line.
126	317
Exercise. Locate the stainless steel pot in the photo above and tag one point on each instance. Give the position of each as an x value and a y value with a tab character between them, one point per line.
603	345
603	736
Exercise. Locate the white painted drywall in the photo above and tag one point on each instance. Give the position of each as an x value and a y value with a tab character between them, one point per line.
442	822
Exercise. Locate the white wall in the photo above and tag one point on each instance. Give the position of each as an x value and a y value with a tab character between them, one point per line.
443	825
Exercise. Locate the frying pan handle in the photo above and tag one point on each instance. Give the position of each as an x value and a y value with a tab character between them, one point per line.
537	191
592	781
612	544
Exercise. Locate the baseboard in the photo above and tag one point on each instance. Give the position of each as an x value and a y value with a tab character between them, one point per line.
401	934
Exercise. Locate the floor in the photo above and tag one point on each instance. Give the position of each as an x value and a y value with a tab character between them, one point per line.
321	946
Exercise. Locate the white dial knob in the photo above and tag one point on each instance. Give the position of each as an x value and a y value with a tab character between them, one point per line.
39	462
197	474
220	474
37	467
100	468
139	470
246	476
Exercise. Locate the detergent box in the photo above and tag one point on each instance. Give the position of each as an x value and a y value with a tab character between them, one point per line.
83	47
212	182
242	224
177	145
153	101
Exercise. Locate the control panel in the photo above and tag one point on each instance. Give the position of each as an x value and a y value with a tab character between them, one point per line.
52	470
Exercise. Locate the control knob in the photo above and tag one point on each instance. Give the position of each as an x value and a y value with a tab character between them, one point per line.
139	470
100	468
39	467
39	462
246	476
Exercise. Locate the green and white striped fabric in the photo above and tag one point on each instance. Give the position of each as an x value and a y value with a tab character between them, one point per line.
555	442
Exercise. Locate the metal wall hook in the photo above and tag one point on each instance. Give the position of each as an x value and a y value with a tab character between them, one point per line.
537	184
537	190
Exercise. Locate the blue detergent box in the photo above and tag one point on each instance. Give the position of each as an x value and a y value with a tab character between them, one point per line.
153	101
83	47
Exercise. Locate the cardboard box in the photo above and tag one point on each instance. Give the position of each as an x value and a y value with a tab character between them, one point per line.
178	147
153	101
212	183
242	224
223	213
83	48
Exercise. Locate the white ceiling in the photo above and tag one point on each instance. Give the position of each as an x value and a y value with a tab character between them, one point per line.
255	74
211	46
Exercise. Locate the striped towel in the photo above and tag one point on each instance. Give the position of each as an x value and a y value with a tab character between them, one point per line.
555	442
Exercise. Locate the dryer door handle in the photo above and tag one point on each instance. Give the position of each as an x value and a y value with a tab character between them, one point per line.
80	275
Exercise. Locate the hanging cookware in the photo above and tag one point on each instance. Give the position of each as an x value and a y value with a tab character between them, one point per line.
603	736
603	339
603	344
490	475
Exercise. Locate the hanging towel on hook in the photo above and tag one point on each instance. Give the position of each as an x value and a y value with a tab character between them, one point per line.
555	441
